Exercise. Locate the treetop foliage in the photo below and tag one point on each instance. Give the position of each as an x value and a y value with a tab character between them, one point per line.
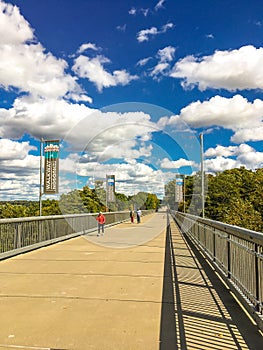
86	200
231	196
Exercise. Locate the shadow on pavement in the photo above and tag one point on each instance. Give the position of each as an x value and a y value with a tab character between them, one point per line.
198	311
168	339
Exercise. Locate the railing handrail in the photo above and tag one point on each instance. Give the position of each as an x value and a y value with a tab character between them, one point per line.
233	229
52	217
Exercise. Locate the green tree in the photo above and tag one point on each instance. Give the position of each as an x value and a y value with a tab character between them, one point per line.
90	200
194	194
152	201
33	209
256	196
50	207
100	191
223	188
9	210
234	197
139	200
122	202
169	198
72	203
243	214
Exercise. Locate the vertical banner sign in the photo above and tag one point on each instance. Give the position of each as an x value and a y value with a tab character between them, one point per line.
51	154
110	188
179	190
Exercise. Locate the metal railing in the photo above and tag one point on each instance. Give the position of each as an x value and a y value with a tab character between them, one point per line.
236	253
23	234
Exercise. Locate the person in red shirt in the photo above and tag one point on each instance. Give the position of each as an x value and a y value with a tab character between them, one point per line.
101	222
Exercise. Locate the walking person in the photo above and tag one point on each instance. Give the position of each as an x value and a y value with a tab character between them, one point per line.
132	216
139	214
101	222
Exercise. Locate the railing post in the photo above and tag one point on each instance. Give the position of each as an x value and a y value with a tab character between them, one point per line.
257	278
18	237
214	244
228	257
205	237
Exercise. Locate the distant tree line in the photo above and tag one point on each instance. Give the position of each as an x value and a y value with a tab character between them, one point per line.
231	196
86	200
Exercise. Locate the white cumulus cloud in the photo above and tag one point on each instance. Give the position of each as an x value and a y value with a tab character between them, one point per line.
40	118
223	151
220	164
231	70
159	5
176	164
145	34
14	150
25	64
159	69
165	56
14	28
143	61
223	158
93	69
237	113
88	46
19	170
132	11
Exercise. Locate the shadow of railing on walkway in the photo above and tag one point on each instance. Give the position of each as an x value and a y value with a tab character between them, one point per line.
198	310
168	338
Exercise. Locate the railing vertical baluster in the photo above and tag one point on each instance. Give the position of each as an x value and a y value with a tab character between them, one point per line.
257	292
18	237
214	244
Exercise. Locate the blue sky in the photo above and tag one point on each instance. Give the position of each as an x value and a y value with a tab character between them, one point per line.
128	86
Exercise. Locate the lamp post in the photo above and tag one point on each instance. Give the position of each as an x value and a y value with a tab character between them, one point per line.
202	174
175	195
184	192
40	177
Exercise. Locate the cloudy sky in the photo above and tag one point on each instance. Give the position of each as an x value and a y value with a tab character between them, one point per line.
127	87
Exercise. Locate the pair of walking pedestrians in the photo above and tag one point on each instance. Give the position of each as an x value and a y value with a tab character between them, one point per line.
138	216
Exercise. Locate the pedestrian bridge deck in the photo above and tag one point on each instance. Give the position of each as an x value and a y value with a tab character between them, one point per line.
124	290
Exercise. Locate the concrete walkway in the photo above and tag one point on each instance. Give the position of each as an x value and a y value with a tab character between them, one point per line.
121	291
85	295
